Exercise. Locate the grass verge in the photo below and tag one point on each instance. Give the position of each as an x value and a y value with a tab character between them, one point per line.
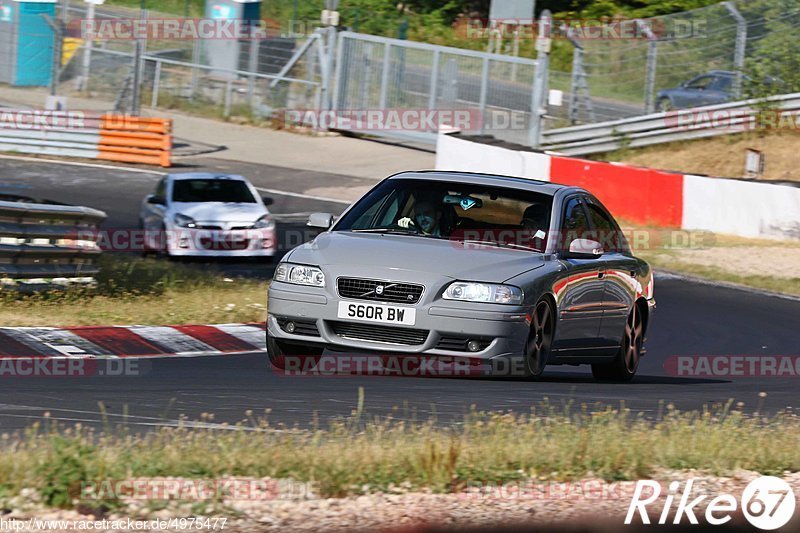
133	290
355	456
722	258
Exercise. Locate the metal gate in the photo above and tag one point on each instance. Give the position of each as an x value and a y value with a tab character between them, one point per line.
379	74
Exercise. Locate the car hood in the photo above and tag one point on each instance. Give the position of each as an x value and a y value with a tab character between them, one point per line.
220	211
373	254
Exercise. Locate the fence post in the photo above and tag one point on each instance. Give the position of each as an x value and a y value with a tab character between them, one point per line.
575	81
652	62
86	69
138	67
252	66
387	58
740	50
484	91
156	85
339	66
540	78
437	55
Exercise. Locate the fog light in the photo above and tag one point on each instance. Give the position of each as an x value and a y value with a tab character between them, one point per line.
473	346
290	327
266	243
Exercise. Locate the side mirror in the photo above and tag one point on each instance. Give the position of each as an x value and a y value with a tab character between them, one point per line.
320	220
267	200
584	249
156	200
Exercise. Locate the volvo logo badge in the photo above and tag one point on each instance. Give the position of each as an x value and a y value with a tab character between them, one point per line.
379	290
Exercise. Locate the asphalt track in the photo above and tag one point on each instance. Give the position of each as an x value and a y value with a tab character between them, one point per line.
692	319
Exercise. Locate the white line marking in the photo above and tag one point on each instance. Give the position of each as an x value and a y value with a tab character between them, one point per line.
306	196
78	164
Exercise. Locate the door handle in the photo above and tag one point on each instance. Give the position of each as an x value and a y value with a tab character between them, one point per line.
601	275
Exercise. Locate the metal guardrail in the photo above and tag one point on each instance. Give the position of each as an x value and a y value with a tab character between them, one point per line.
658	128
74	134
46	246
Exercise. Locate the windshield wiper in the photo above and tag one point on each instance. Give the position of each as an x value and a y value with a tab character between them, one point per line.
502	245
394	231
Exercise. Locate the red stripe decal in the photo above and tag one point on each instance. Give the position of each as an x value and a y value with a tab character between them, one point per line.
119	341
217	338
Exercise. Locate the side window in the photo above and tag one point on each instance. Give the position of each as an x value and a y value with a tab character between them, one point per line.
575	224
161	189
722	83
605	230
700	83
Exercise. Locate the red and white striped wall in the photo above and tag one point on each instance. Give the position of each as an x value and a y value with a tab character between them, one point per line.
644	196
132	341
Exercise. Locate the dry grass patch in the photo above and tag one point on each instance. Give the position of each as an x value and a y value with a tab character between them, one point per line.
357	455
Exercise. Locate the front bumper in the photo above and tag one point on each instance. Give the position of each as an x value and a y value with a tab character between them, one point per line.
222	243
503	330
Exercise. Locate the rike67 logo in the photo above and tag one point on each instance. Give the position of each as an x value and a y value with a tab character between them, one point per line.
768	503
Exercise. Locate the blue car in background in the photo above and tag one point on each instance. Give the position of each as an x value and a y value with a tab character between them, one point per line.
715	87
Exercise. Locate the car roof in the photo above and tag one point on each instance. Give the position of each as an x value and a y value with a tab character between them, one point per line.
206	176
496	180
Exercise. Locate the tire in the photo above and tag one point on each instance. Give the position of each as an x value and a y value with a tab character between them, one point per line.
624	367
664	105
540	340
278	350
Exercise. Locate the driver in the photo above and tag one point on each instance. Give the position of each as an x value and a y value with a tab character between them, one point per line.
427	218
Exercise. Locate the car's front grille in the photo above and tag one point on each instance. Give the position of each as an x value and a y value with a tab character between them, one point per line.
381	291
307	328
385	334
459	344
209	227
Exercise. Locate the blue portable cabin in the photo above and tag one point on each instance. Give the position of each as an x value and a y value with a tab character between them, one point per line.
26	42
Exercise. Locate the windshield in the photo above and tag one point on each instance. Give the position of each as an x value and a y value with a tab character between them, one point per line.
471	213
212	190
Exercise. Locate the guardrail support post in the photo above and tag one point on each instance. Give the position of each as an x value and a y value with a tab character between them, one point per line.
228	89
741	48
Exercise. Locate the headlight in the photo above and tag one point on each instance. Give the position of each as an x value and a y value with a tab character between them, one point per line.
483	292
300	275
184	221
265	222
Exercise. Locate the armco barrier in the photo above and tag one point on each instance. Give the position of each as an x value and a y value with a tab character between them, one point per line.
641	195
119	138
43	245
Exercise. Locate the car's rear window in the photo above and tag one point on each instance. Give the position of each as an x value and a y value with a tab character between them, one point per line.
212	190
459	212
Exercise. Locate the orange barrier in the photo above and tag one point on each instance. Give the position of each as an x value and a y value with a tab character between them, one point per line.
135	139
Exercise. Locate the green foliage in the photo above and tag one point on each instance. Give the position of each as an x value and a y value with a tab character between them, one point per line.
774	53
62	469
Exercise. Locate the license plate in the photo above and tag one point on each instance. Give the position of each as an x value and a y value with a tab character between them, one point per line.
383	314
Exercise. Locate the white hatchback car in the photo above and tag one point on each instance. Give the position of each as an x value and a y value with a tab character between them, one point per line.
207	215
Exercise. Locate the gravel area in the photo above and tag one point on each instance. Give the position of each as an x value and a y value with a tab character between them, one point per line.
589	505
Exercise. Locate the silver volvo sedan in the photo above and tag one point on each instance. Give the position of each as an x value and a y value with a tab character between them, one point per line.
485	267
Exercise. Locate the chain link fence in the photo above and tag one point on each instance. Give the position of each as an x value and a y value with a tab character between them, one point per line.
702	57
